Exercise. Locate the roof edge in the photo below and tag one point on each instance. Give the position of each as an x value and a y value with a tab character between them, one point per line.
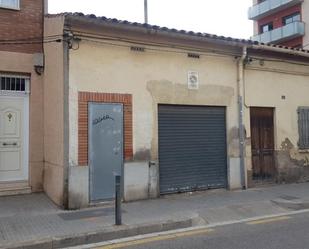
113	22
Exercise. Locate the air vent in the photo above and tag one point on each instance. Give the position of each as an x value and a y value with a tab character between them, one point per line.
193	55
138	49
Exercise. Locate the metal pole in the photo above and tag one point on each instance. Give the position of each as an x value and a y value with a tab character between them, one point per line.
146	11
118	200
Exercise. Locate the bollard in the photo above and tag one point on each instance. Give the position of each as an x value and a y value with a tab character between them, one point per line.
118	200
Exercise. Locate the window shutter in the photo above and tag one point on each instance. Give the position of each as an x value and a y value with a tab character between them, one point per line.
303	127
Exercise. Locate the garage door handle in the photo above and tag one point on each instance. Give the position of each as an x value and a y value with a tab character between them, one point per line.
9	144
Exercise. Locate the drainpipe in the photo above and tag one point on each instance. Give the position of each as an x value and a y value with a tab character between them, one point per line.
45	8
66	47
240	86
146	11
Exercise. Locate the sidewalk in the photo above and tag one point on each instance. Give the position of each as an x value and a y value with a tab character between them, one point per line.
33	221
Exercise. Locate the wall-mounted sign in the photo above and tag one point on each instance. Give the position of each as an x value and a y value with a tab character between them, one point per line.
193	82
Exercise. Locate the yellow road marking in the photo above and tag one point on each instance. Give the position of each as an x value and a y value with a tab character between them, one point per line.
256	222
156	238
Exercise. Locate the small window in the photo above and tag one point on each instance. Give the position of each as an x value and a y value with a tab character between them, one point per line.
14	84
9	4
266	27
291	18
303	127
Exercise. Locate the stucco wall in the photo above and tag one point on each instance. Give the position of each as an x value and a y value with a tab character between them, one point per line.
152	77
284	87
54	113
23	63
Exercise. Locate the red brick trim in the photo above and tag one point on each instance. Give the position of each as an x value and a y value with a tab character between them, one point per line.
83	99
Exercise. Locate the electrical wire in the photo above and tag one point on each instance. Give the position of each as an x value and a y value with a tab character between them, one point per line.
29	43
31	38
213	53
277	60
207	52
160	47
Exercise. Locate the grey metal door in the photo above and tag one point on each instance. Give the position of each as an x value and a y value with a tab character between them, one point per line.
105	149
192	148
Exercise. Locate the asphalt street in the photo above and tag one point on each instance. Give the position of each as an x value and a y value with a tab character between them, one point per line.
290	231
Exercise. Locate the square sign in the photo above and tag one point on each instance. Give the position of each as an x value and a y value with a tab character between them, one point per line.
193	82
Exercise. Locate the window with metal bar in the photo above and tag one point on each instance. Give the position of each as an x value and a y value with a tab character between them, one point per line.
13	84
303	127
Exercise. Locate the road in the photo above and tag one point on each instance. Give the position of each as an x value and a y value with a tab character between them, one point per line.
283	232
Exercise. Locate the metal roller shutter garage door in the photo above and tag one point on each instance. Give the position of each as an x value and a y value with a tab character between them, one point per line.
192	148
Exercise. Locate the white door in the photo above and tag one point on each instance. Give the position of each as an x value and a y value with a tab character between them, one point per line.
14	138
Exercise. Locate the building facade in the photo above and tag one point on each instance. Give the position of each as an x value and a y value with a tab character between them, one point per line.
281	22
170	111
21	96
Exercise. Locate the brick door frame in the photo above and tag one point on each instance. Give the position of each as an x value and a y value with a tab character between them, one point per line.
83	99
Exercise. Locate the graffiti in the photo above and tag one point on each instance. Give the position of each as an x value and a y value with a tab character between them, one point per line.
101	119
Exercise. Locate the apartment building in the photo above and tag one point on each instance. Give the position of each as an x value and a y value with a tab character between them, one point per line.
282	22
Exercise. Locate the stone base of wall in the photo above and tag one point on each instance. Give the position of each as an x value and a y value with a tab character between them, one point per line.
140	182
250	182
53	183
78	187
290	170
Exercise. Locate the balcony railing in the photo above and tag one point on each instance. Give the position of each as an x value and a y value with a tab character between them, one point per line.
269	7
289	31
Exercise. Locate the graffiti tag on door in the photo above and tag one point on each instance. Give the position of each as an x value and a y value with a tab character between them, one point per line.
101	119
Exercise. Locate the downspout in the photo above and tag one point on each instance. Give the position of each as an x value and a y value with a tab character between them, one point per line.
240	88
66	128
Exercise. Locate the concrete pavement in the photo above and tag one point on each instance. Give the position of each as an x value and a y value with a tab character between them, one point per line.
32	220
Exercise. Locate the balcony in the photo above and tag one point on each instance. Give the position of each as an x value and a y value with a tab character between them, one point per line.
287	32
269	7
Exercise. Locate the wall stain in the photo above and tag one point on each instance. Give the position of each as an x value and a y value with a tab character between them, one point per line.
292	165
142	155
167	92
287	145
233	142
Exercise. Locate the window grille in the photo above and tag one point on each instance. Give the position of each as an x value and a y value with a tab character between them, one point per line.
14	84
303	127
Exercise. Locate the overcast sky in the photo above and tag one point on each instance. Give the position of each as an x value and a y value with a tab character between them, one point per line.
221	17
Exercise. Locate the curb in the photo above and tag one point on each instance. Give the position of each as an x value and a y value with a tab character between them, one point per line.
105	235
292	204
188	229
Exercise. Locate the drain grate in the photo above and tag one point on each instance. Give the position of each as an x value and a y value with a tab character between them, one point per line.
78	215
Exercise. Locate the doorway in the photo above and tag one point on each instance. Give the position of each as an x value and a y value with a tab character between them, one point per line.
262	143
105	149
14	129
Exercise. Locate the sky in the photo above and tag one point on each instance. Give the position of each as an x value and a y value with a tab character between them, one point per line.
221	17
